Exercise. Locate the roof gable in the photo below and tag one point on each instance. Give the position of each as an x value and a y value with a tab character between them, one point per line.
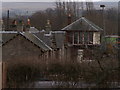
82	24
6	37
36	41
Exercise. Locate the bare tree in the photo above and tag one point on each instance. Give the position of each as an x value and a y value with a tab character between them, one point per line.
89	6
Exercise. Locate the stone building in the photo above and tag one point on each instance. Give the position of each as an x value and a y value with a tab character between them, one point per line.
22	48
22	45
81	37
75	42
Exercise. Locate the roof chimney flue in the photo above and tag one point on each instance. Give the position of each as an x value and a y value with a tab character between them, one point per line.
69	18
48	26
20	26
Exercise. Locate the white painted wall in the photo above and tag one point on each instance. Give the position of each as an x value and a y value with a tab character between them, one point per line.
96	38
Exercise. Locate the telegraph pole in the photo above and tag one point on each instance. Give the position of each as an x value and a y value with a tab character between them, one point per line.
7	27
119	33
104	31
103	16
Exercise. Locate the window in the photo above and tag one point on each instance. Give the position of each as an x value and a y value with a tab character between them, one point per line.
81	38
76	34
86	38
90	37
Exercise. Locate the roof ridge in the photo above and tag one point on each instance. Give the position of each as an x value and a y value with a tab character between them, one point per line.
92	23
71	23
16	34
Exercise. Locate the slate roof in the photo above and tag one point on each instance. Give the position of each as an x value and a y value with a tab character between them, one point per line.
47	38
6	36
36	41
39	38
9	35
33	30
82	24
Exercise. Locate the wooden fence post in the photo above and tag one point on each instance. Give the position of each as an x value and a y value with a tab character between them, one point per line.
1	75
4	75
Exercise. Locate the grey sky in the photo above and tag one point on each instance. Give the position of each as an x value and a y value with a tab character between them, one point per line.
36	6
55	0
23	7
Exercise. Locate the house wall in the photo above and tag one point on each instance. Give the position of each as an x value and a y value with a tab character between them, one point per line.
96	38
71	53
74	54
20	49
68	54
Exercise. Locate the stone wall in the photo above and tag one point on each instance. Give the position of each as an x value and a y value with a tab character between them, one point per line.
20	48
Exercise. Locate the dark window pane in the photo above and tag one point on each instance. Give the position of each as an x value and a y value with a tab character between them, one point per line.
76	38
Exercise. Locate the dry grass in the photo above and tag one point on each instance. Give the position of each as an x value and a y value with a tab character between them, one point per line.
62	71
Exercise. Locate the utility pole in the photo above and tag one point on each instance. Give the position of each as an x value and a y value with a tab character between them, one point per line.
7	27
119	34
104	31
69	17
103	17
119	40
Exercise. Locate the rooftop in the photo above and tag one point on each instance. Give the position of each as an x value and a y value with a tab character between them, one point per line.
82	24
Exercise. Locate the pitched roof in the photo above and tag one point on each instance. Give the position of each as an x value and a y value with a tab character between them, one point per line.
82	24
6	36
46	39
9	35
36	41
33	30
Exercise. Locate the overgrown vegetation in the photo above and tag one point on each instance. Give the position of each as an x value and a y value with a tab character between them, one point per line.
69	73
101	71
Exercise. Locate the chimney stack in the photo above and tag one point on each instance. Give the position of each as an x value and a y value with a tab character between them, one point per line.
48	26
28	25
14	25
20	26
2	24
28	22
69	19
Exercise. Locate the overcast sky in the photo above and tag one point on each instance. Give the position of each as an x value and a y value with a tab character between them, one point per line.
54	0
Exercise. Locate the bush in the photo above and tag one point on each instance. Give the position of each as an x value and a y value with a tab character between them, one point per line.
21	73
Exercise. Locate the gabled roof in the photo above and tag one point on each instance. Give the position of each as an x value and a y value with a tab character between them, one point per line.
33	30
36	41
82	24
9	35
6	36
46	39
